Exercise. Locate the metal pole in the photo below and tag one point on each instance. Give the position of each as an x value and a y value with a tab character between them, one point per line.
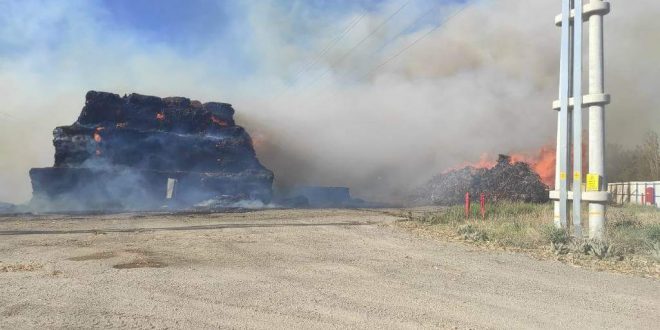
596	121
577	119
557	203
564	67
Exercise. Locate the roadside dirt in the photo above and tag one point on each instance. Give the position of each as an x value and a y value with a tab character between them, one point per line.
291	268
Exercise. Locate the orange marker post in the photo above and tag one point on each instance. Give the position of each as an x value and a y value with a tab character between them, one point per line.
482	202
467	205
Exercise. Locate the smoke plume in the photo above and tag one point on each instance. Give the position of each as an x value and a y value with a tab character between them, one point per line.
481	83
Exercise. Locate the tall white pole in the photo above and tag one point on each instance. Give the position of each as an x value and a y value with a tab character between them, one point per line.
557	203
564	90
577	119
597	121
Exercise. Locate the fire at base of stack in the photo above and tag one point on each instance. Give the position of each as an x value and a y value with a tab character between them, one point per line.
141	152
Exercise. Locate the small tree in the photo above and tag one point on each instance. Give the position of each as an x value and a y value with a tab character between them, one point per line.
649	157
639	164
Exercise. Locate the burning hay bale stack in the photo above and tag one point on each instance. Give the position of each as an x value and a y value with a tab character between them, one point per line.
139	152
504	181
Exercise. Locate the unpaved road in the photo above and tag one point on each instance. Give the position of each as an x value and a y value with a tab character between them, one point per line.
303	269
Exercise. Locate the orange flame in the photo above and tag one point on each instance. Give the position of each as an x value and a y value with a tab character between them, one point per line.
97	135
220	122
485	161
543	163
258	140
98	138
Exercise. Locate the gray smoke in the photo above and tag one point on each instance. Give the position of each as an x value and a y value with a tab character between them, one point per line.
483	83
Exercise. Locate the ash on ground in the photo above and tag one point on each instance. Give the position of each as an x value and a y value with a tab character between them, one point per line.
504	181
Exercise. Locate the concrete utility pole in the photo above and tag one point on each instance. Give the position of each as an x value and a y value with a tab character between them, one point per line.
597	115
574	13
564	94
577	119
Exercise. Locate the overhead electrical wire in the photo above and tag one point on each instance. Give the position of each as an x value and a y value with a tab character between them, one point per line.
356	46
425	35
417	40
318	58
401	51
6	115
330	45
407	28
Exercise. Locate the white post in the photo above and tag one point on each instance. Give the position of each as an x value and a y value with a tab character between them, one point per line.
556	203
564	91
577	119
596	120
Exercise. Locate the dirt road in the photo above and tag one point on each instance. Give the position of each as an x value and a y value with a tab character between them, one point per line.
325	268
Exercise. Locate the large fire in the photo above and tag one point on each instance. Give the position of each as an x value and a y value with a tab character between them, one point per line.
542	162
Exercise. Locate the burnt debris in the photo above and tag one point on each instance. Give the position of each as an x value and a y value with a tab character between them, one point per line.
505	181
143	152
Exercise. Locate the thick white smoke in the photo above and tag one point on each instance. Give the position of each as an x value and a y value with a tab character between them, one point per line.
483	82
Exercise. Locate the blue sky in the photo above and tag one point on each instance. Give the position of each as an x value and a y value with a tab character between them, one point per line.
189	27
238	35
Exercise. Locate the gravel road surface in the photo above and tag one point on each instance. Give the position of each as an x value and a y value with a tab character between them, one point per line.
291	268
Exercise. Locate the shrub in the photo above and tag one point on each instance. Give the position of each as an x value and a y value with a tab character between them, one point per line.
559	239
470	232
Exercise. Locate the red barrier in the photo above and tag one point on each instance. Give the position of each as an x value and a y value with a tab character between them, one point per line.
482	202
467	205
650	196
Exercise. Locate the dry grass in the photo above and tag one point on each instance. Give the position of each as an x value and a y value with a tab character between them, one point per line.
632	243
11	268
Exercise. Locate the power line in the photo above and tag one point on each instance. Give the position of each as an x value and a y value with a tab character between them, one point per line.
425	35
327	48
350	51
411	25
408	27
403	50
317	59
6	115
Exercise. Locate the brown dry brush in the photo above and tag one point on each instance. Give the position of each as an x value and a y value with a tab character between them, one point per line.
506	181
632	231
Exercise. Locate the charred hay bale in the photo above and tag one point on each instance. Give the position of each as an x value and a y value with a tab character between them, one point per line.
143	112
151	139
229	149
101	107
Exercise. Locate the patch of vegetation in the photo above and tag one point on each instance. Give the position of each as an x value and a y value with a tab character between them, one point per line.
558	237
472	233
632	232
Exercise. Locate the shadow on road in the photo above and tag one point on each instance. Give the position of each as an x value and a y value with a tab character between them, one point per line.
184	228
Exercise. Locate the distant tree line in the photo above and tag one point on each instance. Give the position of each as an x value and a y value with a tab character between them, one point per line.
641	163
